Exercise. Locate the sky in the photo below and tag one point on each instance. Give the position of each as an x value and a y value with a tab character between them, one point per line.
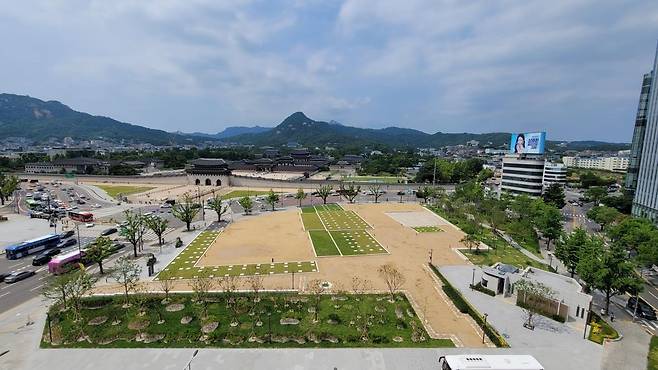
572	68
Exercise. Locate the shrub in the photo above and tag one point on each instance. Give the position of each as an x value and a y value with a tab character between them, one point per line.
482	289
334	317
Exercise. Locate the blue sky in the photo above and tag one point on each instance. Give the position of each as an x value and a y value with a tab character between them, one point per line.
572	67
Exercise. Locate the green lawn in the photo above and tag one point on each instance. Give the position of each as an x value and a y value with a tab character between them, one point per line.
308	209
323	244
342	220
312	221
114	190
428	229
328	207
240	321
652	363
601	330
244	193
504	254
356	243
376	179
183	266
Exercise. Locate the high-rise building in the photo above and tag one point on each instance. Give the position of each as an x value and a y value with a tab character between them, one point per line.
523	175
645	201
638	134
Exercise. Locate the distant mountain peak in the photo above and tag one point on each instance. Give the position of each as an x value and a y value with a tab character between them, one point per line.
296	119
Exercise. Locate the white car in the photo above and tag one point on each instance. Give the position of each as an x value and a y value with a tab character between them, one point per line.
96	205
166	205
89	224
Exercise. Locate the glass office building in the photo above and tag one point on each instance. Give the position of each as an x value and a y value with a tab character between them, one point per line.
638	135
645	201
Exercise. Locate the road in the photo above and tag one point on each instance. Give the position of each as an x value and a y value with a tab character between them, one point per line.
14	294
576	216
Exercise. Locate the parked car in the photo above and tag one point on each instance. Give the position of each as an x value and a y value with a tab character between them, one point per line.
109	231
67	234
644	310
67	243
89	224
18	276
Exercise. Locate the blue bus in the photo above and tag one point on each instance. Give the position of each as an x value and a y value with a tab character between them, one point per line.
28	247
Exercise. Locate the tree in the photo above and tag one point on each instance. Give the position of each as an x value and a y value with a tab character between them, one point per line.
532	296
99	250
158	225
256	284
324	191
570	249
300	196
315	288
376	191
68	289
596	194
126	272
272	199
166	282
351	192
639	235
426	193
484	175
554	195
247	204
470	240
201	286
393	277
603	215
216	204
133	229
8	184
549	223
185	210
608	270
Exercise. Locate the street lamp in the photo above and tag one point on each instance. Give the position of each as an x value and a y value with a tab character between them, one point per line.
189	364
77	228
484	326
550	261
473	279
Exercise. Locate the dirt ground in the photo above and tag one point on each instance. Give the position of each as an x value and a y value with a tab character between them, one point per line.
258	239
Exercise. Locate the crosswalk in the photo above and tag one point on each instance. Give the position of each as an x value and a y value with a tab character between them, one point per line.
150	235
573	215
651	326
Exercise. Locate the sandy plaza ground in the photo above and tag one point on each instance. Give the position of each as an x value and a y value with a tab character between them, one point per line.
280	235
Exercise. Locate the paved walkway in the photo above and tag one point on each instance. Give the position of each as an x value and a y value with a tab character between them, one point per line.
629	353
568	348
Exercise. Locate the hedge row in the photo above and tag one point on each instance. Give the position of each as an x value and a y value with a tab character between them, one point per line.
482	289
464	307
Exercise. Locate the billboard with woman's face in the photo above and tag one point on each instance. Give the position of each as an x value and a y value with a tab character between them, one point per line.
528	143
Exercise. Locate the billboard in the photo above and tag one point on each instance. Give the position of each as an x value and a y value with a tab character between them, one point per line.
528	143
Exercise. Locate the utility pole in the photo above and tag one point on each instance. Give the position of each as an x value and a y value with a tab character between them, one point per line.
434	176
77	228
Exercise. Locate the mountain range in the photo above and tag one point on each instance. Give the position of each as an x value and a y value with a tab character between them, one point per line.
24	116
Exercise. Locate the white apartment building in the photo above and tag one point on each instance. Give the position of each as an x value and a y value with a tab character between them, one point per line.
616	164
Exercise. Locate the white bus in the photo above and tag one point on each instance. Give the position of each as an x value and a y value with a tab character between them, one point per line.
489	362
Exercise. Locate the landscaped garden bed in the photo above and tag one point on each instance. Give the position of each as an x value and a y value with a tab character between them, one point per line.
236	320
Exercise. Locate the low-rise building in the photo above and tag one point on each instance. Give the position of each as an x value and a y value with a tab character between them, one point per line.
554	173
616	164
569	300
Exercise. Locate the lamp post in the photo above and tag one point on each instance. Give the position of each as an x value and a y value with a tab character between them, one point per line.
293	280
431	252
473	279
189	363
50	330
484	326
550	261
